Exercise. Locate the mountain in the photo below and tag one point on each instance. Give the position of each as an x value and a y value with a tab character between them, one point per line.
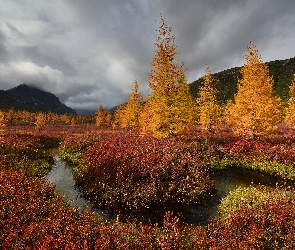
226	80
32	99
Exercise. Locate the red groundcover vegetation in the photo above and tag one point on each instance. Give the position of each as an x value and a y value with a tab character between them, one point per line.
140	172
34	216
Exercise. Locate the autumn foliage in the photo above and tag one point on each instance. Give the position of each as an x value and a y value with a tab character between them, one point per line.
138	173
255	110
290	109
121	169
170	108
33	216
133	109
208	108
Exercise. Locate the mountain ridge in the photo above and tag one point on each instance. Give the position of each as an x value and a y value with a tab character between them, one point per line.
32	99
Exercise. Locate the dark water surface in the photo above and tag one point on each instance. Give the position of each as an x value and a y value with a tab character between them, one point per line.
62	176
224	181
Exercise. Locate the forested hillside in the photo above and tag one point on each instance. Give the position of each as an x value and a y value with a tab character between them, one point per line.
226	80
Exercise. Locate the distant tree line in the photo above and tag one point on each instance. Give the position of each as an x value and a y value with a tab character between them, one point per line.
40	119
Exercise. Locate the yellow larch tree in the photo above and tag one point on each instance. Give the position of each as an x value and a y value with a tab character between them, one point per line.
40	120
133	109
255	110
171	107
208	108
290	109
119	115
108	118
2	119
100	116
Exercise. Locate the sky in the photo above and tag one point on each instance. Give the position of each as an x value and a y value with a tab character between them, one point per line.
91	52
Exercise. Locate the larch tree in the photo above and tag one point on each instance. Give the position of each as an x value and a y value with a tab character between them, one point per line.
170	105
208	108
119	115
100	116
2	119
41	120
255	110
290	109
108	118
133	108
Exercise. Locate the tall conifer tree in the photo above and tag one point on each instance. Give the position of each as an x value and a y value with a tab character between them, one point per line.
255	110
100	116
133	108
209	110
170	108
290	110
2	119
119	115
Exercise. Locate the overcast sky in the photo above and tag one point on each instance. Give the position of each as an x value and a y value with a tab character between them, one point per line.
91	52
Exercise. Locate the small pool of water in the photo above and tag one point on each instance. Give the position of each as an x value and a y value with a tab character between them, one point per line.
224	181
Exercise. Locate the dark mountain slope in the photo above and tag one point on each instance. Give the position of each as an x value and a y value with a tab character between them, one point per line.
32	99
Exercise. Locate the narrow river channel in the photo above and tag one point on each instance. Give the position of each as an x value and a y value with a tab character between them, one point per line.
63	177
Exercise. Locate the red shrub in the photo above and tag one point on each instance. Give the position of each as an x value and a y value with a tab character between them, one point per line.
139	172
270	226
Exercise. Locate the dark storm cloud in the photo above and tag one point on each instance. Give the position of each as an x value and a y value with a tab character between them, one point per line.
91	52
217	32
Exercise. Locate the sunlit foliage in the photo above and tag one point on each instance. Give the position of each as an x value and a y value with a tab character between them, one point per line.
255	110
209	109
40	120
290	110
170	107
133	108
2	119
119	115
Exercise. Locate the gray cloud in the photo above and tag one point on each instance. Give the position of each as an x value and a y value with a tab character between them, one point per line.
90	52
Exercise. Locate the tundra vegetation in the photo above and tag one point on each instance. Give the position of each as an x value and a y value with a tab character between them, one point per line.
155	151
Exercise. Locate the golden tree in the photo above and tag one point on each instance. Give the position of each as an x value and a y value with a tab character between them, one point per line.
170	107
130	118
2	119
100	116
255	110
119	115
290	110
10	116
209	110
108	118
40	120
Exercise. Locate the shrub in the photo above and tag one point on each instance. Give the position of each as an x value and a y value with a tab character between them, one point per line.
27	153
254	218
138	173
72	147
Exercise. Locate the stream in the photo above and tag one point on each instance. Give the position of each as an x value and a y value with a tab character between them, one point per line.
62	176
